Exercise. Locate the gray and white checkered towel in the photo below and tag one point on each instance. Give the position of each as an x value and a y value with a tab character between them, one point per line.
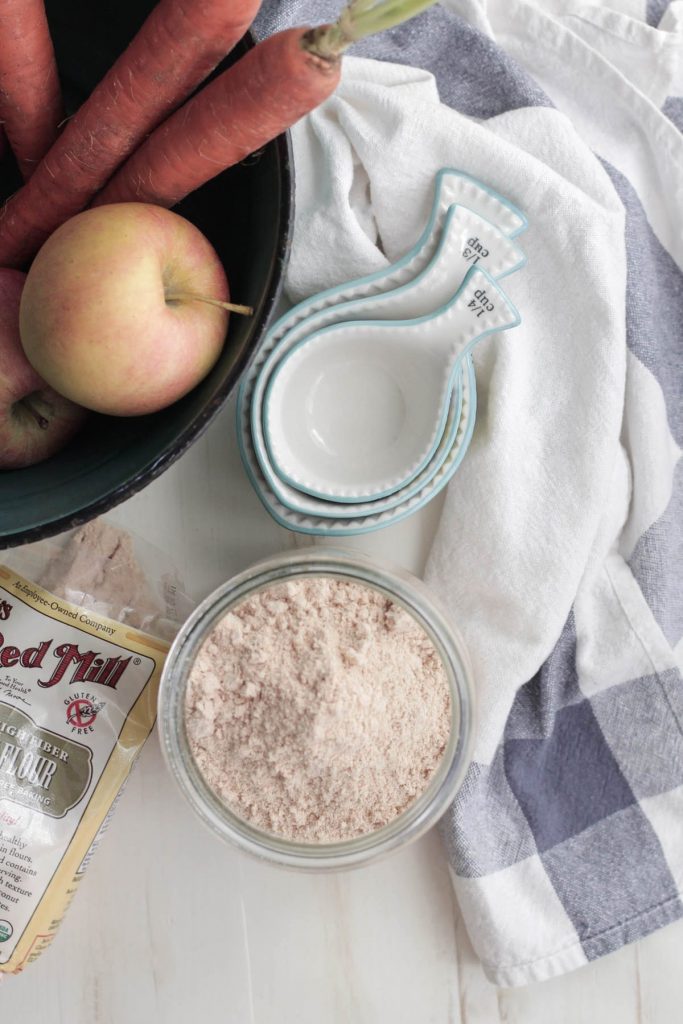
560	549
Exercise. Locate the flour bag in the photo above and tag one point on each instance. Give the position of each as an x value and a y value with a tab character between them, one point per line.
85	623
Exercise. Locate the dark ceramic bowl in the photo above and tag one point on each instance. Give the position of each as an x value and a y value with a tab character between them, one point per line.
246	214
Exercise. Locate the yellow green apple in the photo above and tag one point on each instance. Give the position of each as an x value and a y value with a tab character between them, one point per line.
121	311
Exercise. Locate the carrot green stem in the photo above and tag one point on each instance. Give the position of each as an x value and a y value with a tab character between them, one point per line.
361	18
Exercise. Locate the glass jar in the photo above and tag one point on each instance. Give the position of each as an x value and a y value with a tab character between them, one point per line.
397	585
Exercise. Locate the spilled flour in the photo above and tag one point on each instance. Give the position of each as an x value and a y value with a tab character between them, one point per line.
318	709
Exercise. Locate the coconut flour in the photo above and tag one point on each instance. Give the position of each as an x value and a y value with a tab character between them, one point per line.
318	709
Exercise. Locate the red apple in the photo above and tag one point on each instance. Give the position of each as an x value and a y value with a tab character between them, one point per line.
117	313
35	421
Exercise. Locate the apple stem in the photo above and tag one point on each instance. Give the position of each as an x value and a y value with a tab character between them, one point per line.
194	297
40	420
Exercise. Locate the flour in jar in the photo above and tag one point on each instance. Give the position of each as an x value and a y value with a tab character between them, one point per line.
318	709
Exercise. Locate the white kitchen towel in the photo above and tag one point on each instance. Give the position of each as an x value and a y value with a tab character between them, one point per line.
560	547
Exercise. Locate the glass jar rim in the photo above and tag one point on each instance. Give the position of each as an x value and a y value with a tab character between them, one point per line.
423	812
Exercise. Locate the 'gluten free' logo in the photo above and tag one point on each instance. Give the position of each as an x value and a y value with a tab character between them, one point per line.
81	711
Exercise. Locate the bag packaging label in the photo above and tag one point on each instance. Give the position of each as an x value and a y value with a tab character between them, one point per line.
77	701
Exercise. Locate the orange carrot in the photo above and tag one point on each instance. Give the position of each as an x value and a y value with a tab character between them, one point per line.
30	95
177	47
264	93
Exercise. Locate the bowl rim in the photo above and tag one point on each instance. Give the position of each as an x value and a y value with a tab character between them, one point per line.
178	446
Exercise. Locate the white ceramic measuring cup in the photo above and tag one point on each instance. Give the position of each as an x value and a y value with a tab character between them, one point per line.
378	515
355	409
451	186
300	501
466	240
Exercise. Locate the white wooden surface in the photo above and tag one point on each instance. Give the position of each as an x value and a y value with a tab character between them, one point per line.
170	927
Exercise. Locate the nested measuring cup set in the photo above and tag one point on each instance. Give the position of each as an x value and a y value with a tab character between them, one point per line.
361	402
